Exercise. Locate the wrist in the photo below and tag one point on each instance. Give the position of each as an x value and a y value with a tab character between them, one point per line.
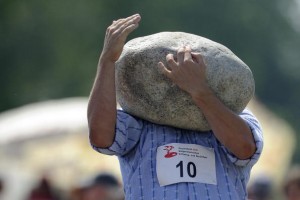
204	97
104	61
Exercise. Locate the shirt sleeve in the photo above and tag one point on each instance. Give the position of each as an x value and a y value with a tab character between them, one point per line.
258	138
127	134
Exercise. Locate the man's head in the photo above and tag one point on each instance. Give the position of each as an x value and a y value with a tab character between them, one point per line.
103	187
261	188
1	185
292	184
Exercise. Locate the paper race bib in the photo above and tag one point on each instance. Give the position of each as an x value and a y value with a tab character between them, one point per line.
176	162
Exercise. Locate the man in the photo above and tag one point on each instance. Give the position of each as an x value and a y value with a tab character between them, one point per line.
291	186
102	187
234	143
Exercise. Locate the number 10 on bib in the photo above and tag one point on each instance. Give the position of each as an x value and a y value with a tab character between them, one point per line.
176	162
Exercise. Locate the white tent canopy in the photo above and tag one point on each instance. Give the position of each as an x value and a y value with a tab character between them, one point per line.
48	138
41	119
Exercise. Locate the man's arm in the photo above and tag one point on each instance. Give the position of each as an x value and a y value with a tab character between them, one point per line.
102	103
188	72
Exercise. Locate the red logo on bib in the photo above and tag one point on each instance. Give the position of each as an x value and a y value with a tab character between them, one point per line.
169	154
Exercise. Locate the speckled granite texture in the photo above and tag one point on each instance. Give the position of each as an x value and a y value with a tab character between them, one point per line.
143	91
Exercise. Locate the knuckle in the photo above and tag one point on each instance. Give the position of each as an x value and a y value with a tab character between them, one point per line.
188	61
111	30
108	30
169	60
187	50
181	51
169	57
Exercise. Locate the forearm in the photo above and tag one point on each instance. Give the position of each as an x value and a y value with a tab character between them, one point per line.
229	128
102	106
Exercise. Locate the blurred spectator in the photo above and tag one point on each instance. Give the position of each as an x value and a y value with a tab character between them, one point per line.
1	188
43	191
261	189
292	184
101	187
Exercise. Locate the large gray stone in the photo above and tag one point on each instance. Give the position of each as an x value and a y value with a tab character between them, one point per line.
143	91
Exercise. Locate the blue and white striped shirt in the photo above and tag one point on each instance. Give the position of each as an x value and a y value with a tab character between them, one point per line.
136	142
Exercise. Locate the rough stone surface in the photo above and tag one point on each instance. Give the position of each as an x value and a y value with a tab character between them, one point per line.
143	91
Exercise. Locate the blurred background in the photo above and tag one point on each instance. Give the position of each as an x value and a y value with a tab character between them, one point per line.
48	56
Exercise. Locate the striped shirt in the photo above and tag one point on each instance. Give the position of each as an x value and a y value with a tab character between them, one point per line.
136	142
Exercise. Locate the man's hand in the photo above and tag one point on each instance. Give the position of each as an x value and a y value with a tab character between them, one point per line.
187	71
116	35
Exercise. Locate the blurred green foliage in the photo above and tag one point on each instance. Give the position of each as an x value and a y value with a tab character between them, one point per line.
50	49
